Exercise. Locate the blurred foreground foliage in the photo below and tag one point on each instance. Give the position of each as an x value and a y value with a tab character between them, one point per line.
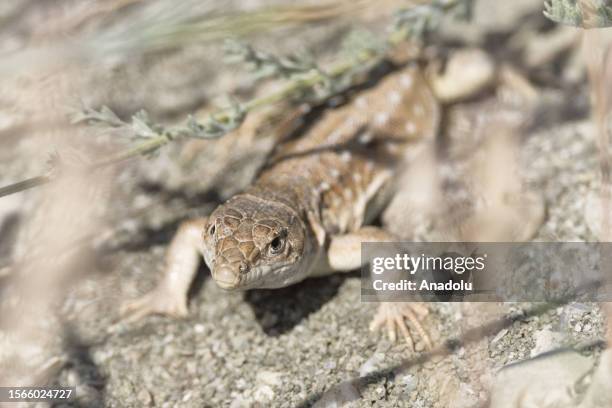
304	79
580	13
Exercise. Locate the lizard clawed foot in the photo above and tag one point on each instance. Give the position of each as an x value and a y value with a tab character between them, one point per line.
393	315
158	301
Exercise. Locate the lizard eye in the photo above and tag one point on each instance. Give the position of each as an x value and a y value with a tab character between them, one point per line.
211	230
276	245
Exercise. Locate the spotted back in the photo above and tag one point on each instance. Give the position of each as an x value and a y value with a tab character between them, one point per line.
339	165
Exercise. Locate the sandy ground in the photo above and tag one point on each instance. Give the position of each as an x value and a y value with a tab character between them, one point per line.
308	344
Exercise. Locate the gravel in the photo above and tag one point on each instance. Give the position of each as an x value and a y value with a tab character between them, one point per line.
309	344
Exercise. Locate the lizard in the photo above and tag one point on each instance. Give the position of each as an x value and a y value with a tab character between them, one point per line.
311	206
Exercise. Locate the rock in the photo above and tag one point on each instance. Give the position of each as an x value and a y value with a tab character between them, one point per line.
546	340
330	365
593	213
264	393
339	396
468	72
542	382
145	398
371	364
271	378
498	337
599	394
241	402
407	383
465	397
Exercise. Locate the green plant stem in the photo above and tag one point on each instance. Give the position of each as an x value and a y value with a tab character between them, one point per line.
292	87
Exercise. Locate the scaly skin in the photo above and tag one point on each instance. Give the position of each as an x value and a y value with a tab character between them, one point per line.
305	215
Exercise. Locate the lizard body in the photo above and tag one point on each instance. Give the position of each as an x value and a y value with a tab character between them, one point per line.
307	212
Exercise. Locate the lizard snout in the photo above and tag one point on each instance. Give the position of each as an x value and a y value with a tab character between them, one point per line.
228	276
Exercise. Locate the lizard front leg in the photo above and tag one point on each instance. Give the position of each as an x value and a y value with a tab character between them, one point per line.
170	295
344	254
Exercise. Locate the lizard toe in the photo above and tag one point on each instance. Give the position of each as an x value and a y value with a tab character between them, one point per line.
395	316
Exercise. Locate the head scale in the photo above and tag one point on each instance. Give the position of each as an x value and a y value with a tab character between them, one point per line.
252	243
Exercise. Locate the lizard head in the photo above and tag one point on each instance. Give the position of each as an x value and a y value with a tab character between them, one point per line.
249	244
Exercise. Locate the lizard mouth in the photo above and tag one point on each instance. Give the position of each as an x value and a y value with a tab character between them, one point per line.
226	278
